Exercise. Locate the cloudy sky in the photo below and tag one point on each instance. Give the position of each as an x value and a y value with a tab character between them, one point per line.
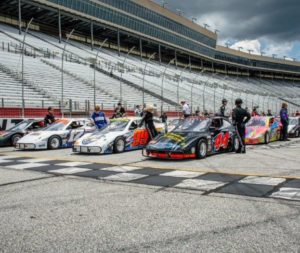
269	26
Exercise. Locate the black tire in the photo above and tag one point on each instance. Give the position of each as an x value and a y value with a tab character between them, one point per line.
119	145
297	133
202	149
54	142
14	139
267	138
236	145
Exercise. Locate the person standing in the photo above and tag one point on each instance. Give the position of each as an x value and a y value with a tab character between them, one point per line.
254	112
49	118
224	111
164	117
239	119
269	113
99	118
138	111
186	111
148	120
284	118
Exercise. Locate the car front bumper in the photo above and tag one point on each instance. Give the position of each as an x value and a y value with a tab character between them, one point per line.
87	149
167	154
31	146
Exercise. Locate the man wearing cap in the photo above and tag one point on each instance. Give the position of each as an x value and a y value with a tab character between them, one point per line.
224	111
186	111
239	119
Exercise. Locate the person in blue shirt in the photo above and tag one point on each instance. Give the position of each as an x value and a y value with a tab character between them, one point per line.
99	118
284	118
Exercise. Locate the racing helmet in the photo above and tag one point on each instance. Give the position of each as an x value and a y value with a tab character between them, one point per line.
238	101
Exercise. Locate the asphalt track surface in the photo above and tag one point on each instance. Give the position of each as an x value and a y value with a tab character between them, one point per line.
126	203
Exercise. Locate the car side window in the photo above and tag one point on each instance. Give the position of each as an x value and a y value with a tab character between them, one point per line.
226	124
216	123
133	125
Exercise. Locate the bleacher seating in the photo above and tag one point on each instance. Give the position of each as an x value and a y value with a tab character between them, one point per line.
42	73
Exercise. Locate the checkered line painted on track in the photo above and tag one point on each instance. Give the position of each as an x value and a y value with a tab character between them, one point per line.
204	183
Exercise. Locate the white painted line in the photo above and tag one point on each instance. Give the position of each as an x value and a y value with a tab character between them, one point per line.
199	184
262	180
69	171
121	168
72	164
125	177
7	157
6	161
34	160
287	193
184	174
27	166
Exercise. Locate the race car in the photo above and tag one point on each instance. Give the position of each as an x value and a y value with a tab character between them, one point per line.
119	135
11	136
61	134
195	138
261	130
294	127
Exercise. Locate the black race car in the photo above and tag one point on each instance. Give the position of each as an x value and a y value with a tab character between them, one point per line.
294	127
195	138
12	135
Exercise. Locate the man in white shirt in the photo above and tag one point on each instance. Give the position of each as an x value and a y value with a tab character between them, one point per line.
186	111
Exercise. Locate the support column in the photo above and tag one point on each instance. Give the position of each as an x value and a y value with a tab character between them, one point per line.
141	48
201	64
213	67
20	17
226	70
119	42
92	36
176	58
190	63
59	26
159	53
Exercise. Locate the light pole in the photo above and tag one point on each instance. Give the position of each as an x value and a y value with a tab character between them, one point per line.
96	62
148	61
62	72
23	45
162	84
123	64
203	91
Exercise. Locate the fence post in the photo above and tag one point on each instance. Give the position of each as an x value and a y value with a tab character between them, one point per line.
2	102
70	107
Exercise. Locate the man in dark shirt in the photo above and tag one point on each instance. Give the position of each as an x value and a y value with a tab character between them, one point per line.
239	119
49	118
284	118
119	111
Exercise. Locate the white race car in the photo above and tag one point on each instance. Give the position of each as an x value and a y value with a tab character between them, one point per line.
60	134
120	135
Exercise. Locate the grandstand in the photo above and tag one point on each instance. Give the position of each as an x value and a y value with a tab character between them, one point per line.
160	60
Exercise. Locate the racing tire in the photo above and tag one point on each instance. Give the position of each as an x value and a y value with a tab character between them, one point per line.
267	138
54	142
15	138
202	149
236	145
119	145
297	134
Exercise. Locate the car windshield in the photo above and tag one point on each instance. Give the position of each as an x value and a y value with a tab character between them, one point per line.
257	122
58	126
21	126
115	125
192	125
293	121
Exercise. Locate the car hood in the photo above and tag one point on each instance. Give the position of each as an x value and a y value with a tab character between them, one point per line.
174	141
254	132
98	139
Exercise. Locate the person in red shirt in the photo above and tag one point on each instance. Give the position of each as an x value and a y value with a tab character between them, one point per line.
254	112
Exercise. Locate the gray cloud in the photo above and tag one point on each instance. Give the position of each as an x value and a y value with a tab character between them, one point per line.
276	20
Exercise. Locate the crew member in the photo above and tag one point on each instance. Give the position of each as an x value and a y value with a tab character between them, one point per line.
137	111
99	118
186	111
269	113
284	118
164	117
239	118
119	111
148	120
254	112
49	118
224	111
